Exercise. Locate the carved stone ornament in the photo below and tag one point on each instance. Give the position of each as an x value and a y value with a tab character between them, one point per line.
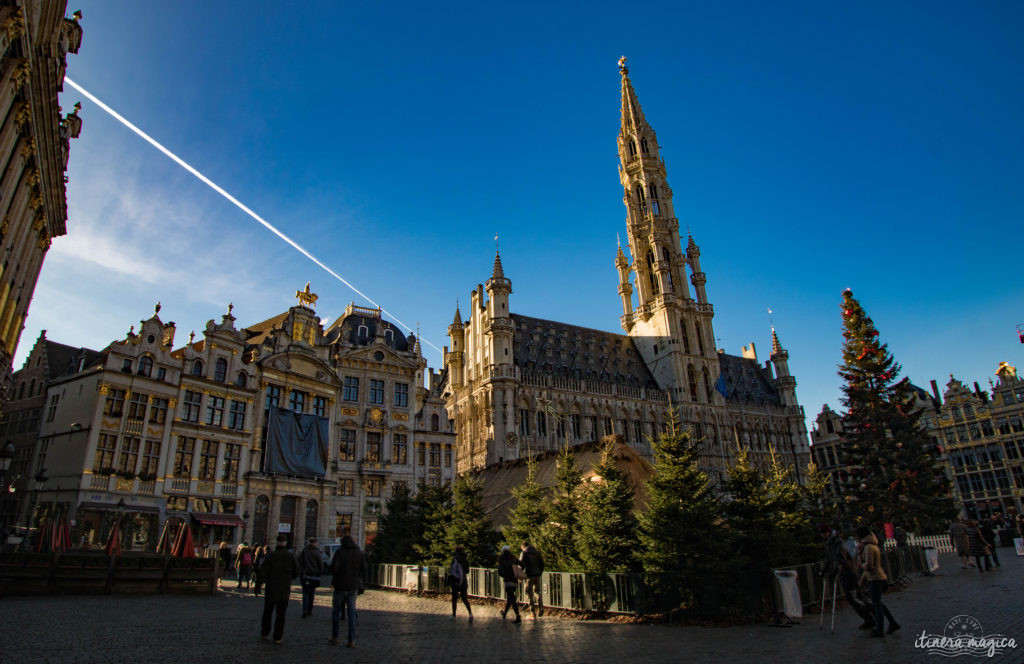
14	25
5	226
20	73
24	114
28	149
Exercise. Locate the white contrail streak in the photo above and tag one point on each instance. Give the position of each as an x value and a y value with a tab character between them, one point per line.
241	206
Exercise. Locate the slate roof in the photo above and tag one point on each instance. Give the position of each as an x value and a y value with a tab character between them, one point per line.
62	360
348	327
746	381
568	351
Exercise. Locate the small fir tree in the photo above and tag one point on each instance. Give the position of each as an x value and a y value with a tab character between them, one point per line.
559	535
527	519
893	472
469	526
434	505
682	547
606	539
401	528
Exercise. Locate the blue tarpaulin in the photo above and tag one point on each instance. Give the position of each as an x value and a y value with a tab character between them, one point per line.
296	443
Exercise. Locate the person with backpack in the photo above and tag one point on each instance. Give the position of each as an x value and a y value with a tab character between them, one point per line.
243	563
311	562
258	556
507	566
533	564
839	563
458	576
348	568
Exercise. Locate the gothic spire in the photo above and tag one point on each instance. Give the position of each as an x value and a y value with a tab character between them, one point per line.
498	273
776	345
632	115
458	316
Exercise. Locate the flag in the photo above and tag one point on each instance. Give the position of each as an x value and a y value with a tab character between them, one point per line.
721	387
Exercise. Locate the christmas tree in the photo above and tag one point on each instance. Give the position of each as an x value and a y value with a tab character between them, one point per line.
682	547
559	535
469	526
401	528
893	472
434	505
527	519
606	536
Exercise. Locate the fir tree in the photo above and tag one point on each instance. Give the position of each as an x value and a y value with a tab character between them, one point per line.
401	528
893	471
434	505
559	535
682	547
527	519
606	539
819	500
469	526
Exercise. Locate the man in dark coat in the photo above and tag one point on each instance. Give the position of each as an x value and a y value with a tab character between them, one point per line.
988	531
311	565
533	564
277	571
348	568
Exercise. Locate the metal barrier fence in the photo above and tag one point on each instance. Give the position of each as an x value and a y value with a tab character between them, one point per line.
613	593
899	563
939	542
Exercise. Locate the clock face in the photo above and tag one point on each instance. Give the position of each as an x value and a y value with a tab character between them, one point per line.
511	440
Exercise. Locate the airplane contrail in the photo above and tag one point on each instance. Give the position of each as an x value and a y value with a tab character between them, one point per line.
241	206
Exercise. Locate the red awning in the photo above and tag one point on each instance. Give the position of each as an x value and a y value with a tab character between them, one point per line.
212	519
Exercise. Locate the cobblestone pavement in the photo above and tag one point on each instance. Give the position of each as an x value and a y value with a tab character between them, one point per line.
397	628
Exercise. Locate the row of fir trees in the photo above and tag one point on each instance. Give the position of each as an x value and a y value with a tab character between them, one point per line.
692	542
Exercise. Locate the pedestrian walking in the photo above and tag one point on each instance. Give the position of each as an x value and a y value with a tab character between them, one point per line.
988	531
458	576
243	563
840	569
311	566
507	566
870	559
532	563
348	569
958	539
258	557
277	571
979	546
224	554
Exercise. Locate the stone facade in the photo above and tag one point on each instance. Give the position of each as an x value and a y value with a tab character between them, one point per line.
35	39
517	385
179	434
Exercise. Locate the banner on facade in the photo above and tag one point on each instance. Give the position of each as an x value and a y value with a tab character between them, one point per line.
296	443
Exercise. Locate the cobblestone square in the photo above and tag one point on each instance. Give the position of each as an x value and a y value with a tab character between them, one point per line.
394	627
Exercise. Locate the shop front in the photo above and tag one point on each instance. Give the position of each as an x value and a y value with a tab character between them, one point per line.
139	525
212	528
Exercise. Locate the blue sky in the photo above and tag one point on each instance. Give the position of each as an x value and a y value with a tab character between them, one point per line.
810	146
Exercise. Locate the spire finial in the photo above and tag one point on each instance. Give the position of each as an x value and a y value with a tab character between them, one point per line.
191	336
623	69
156	309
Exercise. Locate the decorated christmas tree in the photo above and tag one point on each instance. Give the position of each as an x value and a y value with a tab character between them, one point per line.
893	472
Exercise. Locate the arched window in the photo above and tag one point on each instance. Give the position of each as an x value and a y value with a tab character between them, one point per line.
643	147
242	380
363	332
220	370
665	256
693	381
261	520
654	191
707	385
632	148
145	365
389	336
21	391
641	202
197	368
686	336
32	387
829	426
655	207
312	512
435	422
653	278
700	337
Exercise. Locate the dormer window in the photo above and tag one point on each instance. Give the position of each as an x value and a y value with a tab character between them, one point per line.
363	333
389	337
197	368
145	365
220	370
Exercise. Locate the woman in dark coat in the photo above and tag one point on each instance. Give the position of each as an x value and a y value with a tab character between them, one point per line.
458	576
507	564
979	546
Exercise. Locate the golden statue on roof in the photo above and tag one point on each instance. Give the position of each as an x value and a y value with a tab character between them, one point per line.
306	298
1006	370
